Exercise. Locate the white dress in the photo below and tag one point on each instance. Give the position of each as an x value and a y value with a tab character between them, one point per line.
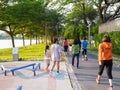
56	50
47	57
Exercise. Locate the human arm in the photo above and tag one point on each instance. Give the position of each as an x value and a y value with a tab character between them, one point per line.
100	50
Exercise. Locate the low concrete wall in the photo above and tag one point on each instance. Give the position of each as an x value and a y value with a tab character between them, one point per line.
110	26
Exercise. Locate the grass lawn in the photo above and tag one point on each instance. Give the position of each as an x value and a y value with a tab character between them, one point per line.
31	52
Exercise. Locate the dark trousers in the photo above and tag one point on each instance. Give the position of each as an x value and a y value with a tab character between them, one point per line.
73	58
65	48
108	64
84	52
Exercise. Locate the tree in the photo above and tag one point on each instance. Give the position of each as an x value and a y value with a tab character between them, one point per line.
107	9
27	12
81	12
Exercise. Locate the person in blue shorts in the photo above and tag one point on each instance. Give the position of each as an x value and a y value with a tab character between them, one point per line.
84	44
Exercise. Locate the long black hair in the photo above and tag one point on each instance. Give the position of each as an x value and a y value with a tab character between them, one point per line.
75	41
46	47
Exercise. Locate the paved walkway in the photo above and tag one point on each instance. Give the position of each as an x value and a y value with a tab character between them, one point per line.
26	79
87	74
70	78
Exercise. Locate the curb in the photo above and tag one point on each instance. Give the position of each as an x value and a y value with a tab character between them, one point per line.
73	80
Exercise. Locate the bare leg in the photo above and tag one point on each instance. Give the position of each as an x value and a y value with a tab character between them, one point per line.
58	66
98	79
110	82
54	63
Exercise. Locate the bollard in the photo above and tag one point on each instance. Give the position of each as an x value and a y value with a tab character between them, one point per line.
15	54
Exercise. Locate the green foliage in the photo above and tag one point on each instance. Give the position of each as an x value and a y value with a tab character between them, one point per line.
115	39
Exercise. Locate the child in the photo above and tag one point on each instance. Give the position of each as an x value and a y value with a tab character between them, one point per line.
70	49
47	58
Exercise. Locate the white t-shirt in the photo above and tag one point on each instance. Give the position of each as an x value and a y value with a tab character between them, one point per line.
70	48
47	55
56	50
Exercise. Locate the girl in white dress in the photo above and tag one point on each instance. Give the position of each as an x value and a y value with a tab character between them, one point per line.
47	58
56	54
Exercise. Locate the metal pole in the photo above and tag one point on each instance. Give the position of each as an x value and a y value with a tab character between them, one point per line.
89	40
89	24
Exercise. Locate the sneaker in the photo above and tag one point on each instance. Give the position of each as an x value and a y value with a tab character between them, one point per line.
51	73
47	70
86	59
110	88
97	81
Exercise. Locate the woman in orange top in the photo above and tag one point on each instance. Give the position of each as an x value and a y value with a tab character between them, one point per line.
105	59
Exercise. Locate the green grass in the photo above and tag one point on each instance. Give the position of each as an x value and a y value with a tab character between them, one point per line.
31	52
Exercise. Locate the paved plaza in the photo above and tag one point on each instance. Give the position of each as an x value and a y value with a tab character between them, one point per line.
69	78
42	81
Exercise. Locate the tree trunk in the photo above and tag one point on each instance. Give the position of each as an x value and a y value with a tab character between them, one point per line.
23	39
12	37
36	38
13	43
84	14
100	14
30	41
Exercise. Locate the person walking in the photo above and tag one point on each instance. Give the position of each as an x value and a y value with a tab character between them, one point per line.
65	45
70	49
56	54
84	49
75	52
105	60
47	58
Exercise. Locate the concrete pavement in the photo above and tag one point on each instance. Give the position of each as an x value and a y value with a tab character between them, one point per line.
26	78
70	78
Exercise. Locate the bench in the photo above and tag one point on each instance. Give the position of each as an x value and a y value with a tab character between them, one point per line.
18	68
34	70
4	70
19	88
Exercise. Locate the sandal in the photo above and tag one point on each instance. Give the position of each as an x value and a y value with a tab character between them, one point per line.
97	81
110	88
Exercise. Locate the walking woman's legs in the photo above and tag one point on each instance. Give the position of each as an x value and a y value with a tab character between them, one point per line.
73	59
77	60
101	68
54	62
58	66
109	71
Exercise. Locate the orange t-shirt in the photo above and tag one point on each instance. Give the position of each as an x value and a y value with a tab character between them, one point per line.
105	51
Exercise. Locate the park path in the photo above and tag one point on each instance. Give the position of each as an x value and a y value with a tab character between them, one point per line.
42	81
87	74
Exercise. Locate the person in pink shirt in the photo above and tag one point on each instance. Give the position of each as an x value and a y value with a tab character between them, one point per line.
65	45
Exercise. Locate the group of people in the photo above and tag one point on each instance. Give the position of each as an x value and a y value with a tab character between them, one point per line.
75	49
55	54
104	55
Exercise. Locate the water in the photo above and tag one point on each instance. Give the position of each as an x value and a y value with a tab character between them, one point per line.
18	42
